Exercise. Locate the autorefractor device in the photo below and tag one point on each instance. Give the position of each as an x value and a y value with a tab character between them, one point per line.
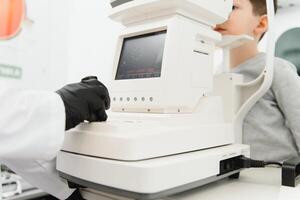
173	124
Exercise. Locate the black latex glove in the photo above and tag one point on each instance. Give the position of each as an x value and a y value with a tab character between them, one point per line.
86	100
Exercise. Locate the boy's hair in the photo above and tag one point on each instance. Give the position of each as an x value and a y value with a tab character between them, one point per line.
260	8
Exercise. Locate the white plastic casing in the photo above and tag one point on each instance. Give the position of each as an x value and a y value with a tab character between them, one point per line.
210	12
187	64
187	69
149	176
134	136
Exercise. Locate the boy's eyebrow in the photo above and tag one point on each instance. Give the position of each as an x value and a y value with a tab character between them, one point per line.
237	1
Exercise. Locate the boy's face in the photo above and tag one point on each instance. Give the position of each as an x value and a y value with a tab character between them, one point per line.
241	21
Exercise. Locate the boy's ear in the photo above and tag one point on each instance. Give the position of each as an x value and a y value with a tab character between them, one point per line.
262	25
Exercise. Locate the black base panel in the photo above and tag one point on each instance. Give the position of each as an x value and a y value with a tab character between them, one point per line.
140	196
290	174
119	2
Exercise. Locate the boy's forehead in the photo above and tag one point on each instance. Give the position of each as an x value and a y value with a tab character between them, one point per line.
241	1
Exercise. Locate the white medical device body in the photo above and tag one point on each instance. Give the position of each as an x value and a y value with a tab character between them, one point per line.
173	123
164	60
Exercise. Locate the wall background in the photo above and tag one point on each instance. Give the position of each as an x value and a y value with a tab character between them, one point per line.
64	41
92	39
70	39
40	48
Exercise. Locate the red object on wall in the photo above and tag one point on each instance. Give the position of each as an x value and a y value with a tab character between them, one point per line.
12	14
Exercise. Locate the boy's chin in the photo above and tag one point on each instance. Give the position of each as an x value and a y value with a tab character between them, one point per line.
225	33
222	32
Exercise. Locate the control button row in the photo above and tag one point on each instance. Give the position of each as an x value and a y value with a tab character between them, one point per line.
151	99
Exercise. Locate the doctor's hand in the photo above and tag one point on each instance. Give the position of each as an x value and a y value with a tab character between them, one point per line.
86	100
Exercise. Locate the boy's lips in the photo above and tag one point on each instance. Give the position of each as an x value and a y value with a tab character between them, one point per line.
219	29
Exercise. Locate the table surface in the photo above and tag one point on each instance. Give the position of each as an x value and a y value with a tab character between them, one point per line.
258	184
253	184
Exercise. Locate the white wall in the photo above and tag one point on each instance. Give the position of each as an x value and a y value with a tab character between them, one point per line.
41	47
286	18
92	40
68	40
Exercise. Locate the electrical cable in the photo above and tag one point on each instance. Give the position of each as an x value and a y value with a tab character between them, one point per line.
272	163
250	163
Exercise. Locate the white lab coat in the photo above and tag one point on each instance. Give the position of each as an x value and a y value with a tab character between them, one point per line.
32	128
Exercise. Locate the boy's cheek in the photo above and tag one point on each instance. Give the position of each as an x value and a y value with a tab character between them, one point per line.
238	28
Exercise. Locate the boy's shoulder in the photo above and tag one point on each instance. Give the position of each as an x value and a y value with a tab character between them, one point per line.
283	68
285	73
281	64
253	67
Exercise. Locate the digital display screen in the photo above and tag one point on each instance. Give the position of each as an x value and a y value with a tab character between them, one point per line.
141	56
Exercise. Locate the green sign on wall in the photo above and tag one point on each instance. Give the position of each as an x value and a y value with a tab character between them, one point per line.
10	71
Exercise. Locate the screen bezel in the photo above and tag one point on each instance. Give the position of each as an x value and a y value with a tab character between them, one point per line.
164	31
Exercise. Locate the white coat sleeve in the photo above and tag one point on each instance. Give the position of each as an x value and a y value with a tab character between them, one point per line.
32	128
